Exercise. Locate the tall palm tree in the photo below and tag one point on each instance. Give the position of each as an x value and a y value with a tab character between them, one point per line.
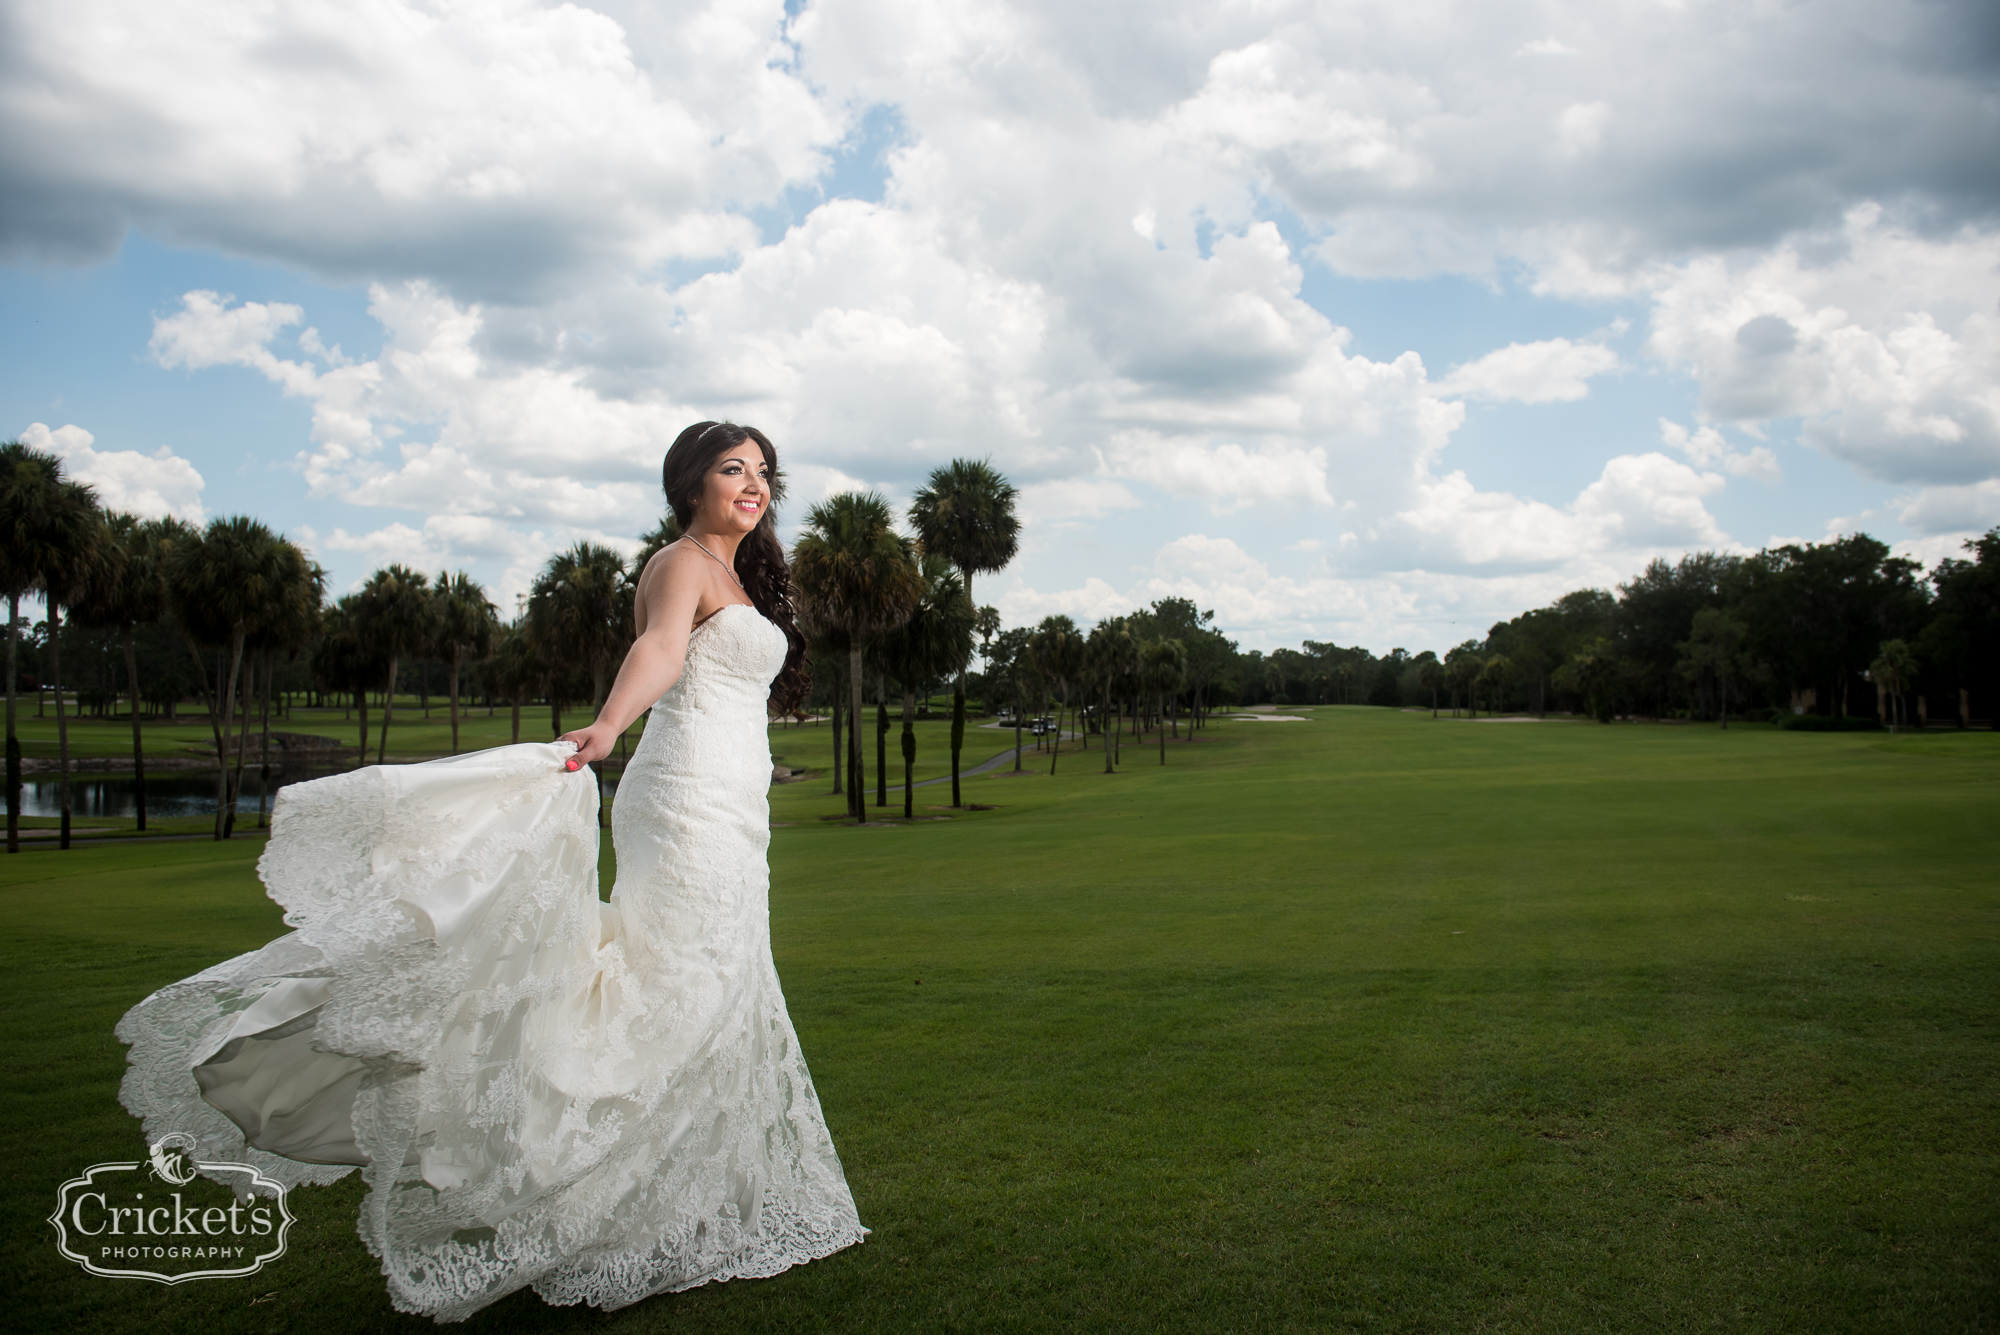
1462	667
26	475
1430	676
1163	667
344	663
55	535
466	622
965	513
290	622
829	651
514	671
1895	667
856	577
1107	654
935	642
221	584
1058	651
395	614
582	600
1713	648
129	592
1493	676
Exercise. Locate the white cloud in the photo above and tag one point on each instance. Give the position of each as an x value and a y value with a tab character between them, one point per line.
502	148
1886	345
1949	511
151	486
1075	498
1552	371
1580	127
1225	476
527	444
1088	260
1708	449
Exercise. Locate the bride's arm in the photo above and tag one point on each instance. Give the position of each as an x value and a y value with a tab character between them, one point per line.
667	598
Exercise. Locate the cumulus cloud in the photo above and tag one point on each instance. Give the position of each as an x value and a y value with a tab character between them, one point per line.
151	486
1552	371
1225	476
501	149
1088	258
1952	511
1707	448
1884	341
528	444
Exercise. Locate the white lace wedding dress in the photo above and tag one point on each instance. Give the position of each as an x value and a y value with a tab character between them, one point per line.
601	1101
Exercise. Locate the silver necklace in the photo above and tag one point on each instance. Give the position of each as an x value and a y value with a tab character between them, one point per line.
718	560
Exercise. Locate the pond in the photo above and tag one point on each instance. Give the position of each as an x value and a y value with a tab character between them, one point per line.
172	793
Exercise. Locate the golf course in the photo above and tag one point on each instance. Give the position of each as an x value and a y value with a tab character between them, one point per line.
1368	1022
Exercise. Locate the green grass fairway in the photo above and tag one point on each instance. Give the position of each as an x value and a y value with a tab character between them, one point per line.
1365	1023
410	733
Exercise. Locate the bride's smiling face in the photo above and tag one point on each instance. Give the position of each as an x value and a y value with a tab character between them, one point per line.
736	491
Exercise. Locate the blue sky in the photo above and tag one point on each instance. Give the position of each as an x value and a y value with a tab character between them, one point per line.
1173	292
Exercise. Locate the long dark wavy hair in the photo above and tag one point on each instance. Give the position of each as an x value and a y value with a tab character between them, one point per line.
760	557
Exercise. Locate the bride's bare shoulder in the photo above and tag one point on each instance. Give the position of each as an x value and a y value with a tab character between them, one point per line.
677	564
672	574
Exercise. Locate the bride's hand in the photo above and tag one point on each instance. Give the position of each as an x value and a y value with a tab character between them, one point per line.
592	743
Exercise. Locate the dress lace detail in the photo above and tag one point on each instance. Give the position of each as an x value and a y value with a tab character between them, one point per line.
603	1101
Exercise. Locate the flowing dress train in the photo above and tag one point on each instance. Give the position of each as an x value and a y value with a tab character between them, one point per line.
602	1101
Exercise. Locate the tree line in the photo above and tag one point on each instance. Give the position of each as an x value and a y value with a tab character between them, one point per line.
1820	635
244	603
888	611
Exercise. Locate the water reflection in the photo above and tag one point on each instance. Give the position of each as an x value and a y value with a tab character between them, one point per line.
173	793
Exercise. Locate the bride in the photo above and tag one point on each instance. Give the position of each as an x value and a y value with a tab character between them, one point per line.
601	1101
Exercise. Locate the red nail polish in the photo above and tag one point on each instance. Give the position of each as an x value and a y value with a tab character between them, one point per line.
569	764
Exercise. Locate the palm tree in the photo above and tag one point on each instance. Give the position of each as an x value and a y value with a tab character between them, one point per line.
829	659
580	607
1058	651
1107	654
343	662
514	671
663	534
965	513
466	622
26	475
221	584
1430	676
129	591
394	616
1591	666
1895	667
1163	667
290	622
1007	658
1713	647
858	578
1493	676
1462	667
583	601
55	536
935	642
